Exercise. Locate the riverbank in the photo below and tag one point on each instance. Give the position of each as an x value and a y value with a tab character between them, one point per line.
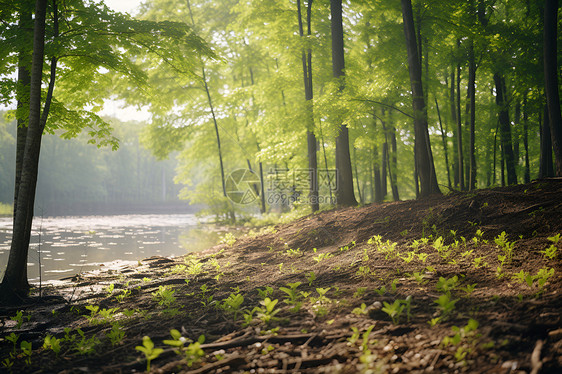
468	282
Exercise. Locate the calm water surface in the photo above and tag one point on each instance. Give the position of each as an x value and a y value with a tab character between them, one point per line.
70	245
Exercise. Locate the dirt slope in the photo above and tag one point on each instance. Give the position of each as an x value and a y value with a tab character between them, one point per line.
415	286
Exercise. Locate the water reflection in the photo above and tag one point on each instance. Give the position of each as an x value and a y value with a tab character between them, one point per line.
70	245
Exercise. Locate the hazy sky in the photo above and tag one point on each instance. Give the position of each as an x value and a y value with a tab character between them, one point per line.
128	6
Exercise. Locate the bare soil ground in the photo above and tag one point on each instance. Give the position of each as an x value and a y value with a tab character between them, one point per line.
416	286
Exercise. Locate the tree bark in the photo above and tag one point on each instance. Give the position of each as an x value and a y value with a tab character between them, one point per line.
527	175
505	129
472	115
15	281
551	80
426	171
546	168
345	194
309	95
460	162
444	141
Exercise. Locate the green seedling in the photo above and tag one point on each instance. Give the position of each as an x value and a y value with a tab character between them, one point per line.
447	285
394	310
149	351
360	292
7	363
554	239
193	352
381	291
109	289
322	256
26	350
551	252
362	310
121	297
460	333
310	277
52	343
293	295
393	285
419	277
267	312
507	247
479	263
266	292
19	318
116	334
469	288
232	304
84	345
229	239
194	266
294	252
409	257
164	296
422	257
322	298
355	336
13	338
445	304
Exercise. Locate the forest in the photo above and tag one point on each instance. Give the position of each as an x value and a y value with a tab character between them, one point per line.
419	143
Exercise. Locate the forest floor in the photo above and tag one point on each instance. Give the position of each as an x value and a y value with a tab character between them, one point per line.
467	282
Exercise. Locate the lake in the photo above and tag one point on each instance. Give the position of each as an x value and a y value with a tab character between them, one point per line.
71	245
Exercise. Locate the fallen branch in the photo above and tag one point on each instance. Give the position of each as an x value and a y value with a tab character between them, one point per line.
536	362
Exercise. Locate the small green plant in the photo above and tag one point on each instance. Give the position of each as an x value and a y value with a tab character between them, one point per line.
149	351
194	266
266	292
19	318
26	350
360	292
381	291
394	310
322	256
362	310
229	239
121	297
233	304
116	334
507	247
447	285
419	277
469	288
193	352
294	252
13	338
268	311
85	345
293	295
109	289
479	263
551	252
310	277
445	304
52	343
164	296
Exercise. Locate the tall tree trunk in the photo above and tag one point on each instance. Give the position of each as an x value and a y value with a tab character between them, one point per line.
452	102
472	115
377	171
15	281
393	169
551	80
345	194
444	141
309	95
527	175
384	170
426	171
505	129
546	168
460	161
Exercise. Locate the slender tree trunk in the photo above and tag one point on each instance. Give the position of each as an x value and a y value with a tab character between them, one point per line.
15	281
426	171
455	162
359	193
377	171
505	129
551	80
444	141
345	194
309	95
460	155
393	170
527	175
472	103
546	168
